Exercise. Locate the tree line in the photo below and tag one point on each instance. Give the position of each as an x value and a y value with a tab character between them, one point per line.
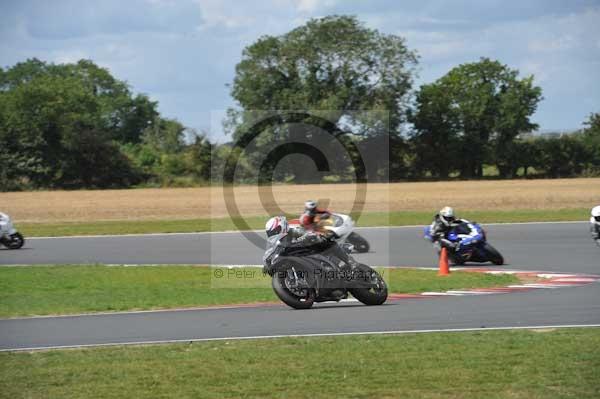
77	126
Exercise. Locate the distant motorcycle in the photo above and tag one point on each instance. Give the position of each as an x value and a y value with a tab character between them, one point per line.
595	225
478	251
9	236
595	233
342	226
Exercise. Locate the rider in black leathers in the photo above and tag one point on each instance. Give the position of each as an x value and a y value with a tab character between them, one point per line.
282	241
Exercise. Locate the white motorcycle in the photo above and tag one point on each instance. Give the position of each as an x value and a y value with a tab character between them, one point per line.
595	224
9	236
343	228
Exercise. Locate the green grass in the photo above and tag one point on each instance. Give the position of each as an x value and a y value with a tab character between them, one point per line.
257	222
513	216
44	290
133	227
563	363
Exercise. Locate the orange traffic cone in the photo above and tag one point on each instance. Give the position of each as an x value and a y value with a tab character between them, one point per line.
444	266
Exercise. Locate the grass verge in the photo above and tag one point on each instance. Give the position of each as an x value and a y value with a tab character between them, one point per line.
44	290
563	363
257	222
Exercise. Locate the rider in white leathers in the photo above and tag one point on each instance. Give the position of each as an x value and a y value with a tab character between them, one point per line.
595	223
4	222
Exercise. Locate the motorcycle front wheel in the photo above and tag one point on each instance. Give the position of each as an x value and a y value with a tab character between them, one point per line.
15	241
457	260
289	284
376	295
493	254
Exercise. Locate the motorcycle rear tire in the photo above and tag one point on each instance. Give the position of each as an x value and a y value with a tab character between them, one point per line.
360	244
493	255
286	296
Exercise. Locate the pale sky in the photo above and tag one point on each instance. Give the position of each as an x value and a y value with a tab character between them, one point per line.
183	53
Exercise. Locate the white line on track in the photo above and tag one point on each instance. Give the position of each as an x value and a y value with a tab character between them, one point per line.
133	312
471	292
397	332
260	231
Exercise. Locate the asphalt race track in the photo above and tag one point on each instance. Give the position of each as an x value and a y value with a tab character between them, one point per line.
559	247
546	246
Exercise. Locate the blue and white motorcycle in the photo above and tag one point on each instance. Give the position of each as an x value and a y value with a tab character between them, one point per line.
475	248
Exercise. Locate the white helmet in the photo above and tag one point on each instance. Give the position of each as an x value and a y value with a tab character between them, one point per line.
276	225
447	215
596	213
310	205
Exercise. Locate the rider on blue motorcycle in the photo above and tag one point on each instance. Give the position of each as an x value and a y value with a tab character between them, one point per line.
445	221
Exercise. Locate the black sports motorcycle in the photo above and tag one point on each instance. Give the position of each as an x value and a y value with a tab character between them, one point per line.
306	275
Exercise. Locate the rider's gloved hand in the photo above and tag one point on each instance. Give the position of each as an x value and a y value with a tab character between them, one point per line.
449	244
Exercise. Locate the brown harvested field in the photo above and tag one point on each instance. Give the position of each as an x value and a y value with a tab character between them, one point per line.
207	202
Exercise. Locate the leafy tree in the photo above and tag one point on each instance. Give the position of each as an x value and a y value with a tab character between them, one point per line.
125	116
22	73
93	162
437	124
40	119
332	64
472	115
518	100
562	156
134	116
166	135
199	157
591	141
58	124
525	155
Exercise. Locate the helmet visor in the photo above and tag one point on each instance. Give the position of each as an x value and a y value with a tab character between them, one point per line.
275	231
448	219
310	205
